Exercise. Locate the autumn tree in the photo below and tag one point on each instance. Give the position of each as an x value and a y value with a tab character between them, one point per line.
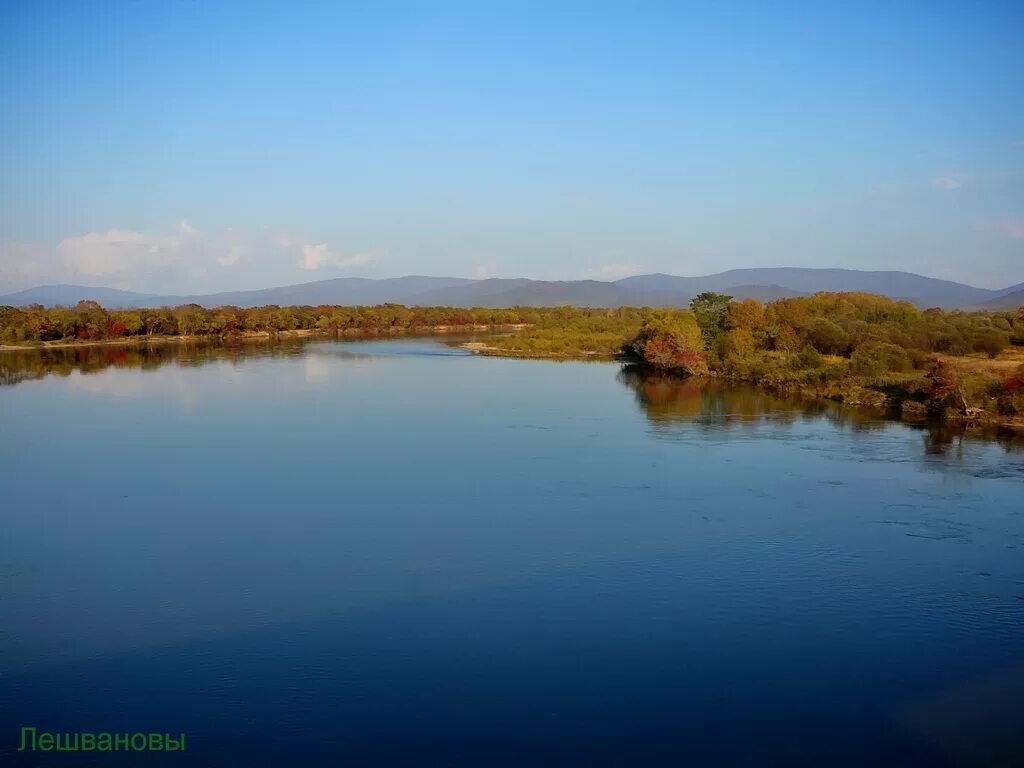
671	341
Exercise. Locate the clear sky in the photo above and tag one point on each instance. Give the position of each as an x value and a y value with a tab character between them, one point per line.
179	146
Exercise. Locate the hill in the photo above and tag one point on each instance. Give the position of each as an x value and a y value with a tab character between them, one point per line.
1008	301
659	290
54	295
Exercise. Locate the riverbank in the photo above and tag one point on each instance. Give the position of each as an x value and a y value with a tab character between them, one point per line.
861	350
490	350
961	389
265	335
897	394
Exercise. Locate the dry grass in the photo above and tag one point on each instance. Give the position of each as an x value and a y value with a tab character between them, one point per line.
981	366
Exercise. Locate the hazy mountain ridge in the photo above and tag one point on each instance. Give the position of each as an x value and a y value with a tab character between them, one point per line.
63	294
1011	300
764	284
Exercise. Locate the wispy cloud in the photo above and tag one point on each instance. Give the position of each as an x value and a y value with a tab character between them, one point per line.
485	271
320	257
946	182
120	258
615	271
232	257
181	260
98	254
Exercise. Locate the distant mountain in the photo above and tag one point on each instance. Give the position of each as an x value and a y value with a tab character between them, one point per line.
580	293
66	295
1008	301
922	291
762	292
471	293
642	290
341	290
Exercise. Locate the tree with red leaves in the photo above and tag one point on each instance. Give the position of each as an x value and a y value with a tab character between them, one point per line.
671	341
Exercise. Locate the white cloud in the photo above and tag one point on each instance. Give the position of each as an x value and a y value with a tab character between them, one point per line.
1019	143
182	260
615	271
99	254
314	256
946	182
232	257
485	271
319	257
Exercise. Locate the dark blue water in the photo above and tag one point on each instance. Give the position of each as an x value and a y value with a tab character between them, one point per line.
398	553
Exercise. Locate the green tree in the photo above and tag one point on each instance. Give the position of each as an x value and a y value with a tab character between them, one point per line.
711	311
827	337
878	357
991	341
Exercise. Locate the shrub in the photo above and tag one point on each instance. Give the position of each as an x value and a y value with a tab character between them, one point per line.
991	341
738	342
809	357
877	357
828	337
1010	397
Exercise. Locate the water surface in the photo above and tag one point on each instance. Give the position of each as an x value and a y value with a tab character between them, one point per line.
394	552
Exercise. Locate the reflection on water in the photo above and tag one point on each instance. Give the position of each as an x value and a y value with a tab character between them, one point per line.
20	365
675	405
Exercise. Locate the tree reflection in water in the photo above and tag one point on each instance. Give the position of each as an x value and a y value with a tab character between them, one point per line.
670	403
18	365
673	403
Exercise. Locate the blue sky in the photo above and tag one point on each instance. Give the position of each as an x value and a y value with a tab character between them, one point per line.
191	146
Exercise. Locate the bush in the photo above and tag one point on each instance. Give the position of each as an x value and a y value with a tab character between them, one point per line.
877	357
809	357
738	342
991	341
1010	395
829	338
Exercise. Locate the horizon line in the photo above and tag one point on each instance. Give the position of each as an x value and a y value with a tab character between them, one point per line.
531	279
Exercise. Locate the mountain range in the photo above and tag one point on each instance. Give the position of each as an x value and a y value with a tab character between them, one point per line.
764	284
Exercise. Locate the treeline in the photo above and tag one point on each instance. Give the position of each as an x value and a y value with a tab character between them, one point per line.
88	321
855	347
859	326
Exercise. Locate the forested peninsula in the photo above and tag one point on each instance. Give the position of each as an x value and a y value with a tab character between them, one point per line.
860	349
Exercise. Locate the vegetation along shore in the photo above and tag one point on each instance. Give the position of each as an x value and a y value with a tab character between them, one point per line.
861	349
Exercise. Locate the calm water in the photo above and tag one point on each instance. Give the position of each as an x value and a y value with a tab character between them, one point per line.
393	552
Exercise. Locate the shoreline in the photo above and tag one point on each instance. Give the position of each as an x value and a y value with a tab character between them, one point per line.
485	350
260	336
882	405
